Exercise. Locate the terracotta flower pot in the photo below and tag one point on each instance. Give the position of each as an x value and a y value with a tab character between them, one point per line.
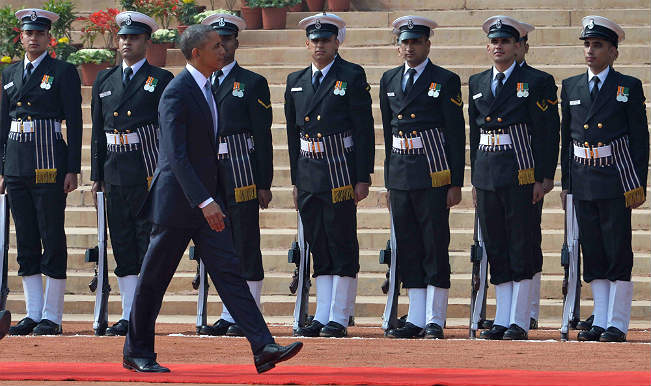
274	18
315	5
296	8
157	53
89	72
338	5
252	17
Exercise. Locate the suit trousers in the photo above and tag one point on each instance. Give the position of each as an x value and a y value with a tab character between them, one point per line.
420	219
605	237
129	233
38	211
538	255
165	251
507	219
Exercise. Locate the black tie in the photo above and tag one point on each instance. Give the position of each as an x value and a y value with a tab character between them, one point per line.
316	82
28	71
500	77
410	80
126	76
215	82
595	88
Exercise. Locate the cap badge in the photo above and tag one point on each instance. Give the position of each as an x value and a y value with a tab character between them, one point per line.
128	21
317	25
221	22
410	24
33	16
498	24
591	24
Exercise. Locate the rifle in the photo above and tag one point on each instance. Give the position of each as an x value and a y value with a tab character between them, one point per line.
4	249
100	280
388	256
299	254
479	283
200	282
570	260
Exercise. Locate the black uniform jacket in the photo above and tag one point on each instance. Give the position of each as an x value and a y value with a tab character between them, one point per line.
603	120
498	169
327	113
404	115
62	101
115	107
251	114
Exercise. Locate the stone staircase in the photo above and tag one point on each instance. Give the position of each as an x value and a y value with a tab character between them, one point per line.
459	46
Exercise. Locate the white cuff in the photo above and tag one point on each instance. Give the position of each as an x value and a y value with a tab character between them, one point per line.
205	203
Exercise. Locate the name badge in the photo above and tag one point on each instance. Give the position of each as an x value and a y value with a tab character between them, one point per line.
8	85
391	94
476	96
576	102
297	89
105	94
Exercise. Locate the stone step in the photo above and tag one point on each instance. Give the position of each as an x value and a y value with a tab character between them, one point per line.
386	55
368	285
369	238
282	305
416	5
275	260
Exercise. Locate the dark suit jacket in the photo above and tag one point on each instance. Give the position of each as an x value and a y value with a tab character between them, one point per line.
581	120
61	102
326	113
418	111
186	174
493	170
116	108
252	114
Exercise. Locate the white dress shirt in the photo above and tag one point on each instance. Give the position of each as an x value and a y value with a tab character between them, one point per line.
506	73
419	70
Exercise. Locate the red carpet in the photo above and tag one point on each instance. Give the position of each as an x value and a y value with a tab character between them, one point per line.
305	375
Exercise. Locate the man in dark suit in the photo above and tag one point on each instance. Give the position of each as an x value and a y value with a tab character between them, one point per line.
331	150
5	322
605	160
124	149
39	168
245	157
184	204
507	112
424	136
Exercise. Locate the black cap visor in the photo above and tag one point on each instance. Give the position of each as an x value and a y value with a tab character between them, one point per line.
321	31
40	24
600	32
225	28
135	28
504	31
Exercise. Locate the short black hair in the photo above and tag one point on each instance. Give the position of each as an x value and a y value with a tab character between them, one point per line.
193	37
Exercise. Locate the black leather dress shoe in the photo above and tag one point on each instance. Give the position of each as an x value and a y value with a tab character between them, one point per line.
485	324
24	327
5	322
612	334
408	331
234	330
118	329
592	335
47	327
585	325
273	353
515	332
143	365
333	330
313	329
204	330
533	324
433	331
496	332
220	328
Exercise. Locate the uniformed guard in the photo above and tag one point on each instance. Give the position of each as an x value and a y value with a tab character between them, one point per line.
605	158
331	148
245	156
39	168
507	111
551	161
125	148
425	140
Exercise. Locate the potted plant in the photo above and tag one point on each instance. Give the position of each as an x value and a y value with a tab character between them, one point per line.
315	5
251	14
101	23
91	61
185	12
10	47
298	7
274	12
161	40
338	5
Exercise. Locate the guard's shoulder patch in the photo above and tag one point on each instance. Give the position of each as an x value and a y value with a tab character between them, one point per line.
367	87
266	106
552	102
457	100
542	105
